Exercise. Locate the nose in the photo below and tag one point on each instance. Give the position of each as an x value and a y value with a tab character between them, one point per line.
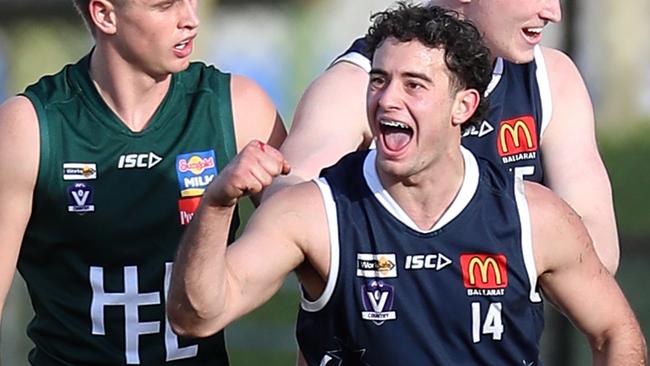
552	11
190	16
388	97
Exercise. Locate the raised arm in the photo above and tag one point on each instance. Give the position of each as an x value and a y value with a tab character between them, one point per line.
211	285
573	278
572	165
330	121
19	151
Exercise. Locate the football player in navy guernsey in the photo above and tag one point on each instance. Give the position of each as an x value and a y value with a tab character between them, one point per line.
540	115
103	166
413	253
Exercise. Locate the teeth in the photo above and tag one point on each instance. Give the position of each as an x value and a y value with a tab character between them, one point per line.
394	124
181	45
534	30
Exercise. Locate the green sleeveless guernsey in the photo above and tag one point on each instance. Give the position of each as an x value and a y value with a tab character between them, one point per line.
110	206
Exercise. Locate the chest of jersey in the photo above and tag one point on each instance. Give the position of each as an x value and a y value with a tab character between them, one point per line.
458	295
109	210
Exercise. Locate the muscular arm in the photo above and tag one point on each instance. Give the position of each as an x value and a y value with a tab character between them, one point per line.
19	151
573	278
572	165
211	285
330	121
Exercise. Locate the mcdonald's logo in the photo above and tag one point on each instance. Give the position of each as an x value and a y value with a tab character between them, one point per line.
516	136
487	271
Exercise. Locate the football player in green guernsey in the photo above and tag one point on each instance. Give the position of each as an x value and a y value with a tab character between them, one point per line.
103	165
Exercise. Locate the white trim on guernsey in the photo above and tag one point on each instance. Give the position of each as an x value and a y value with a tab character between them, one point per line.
497	72
465	194
544	90
354	58
526	231
332	221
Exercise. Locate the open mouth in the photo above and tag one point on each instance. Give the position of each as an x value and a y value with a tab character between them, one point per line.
533	33
396	135
181	46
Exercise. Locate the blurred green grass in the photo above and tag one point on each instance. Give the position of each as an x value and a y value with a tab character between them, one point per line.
627	159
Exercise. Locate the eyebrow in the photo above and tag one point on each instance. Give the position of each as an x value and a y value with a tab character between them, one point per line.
408	74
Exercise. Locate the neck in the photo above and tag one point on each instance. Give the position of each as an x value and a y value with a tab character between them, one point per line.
426	195
132	94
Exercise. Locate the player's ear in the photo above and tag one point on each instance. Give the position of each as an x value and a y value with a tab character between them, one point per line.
102	13
465	103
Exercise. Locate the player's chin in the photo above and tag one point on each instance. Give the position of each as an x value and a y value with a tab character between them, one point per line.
179	65
522	55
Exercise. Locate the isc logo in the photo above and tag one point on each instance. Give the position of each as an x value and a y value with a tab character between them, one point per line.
427	261
138	161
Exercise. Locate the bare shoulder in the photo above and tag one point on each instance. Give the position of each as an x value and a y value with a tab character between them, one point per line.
547	210
302	198
19	153
18	127
557	58
298	210
19	160
17	108
550	210
562	71
248	96
542	198
243	87
254	114
558	233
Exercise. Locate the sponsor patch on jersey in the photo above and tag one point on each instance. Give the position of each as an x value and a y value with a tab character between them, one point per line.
435	261
484	129
371	265
80	198
186	209
138	161
79	171
195	171
517	139
377	298
484	274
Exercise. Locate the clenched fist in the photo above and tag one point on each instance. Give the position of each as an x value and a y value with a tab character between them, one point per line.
247	174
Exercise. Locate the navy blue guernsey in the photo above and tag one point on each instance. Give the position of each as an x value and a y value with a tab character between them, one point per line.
462	293
520	108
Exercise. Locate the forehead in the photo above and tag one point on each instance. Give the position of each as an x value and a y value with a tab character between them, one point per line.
412	56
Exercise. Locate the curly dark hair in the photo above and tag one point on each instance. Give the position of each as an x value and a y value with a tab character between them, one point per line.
466	57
